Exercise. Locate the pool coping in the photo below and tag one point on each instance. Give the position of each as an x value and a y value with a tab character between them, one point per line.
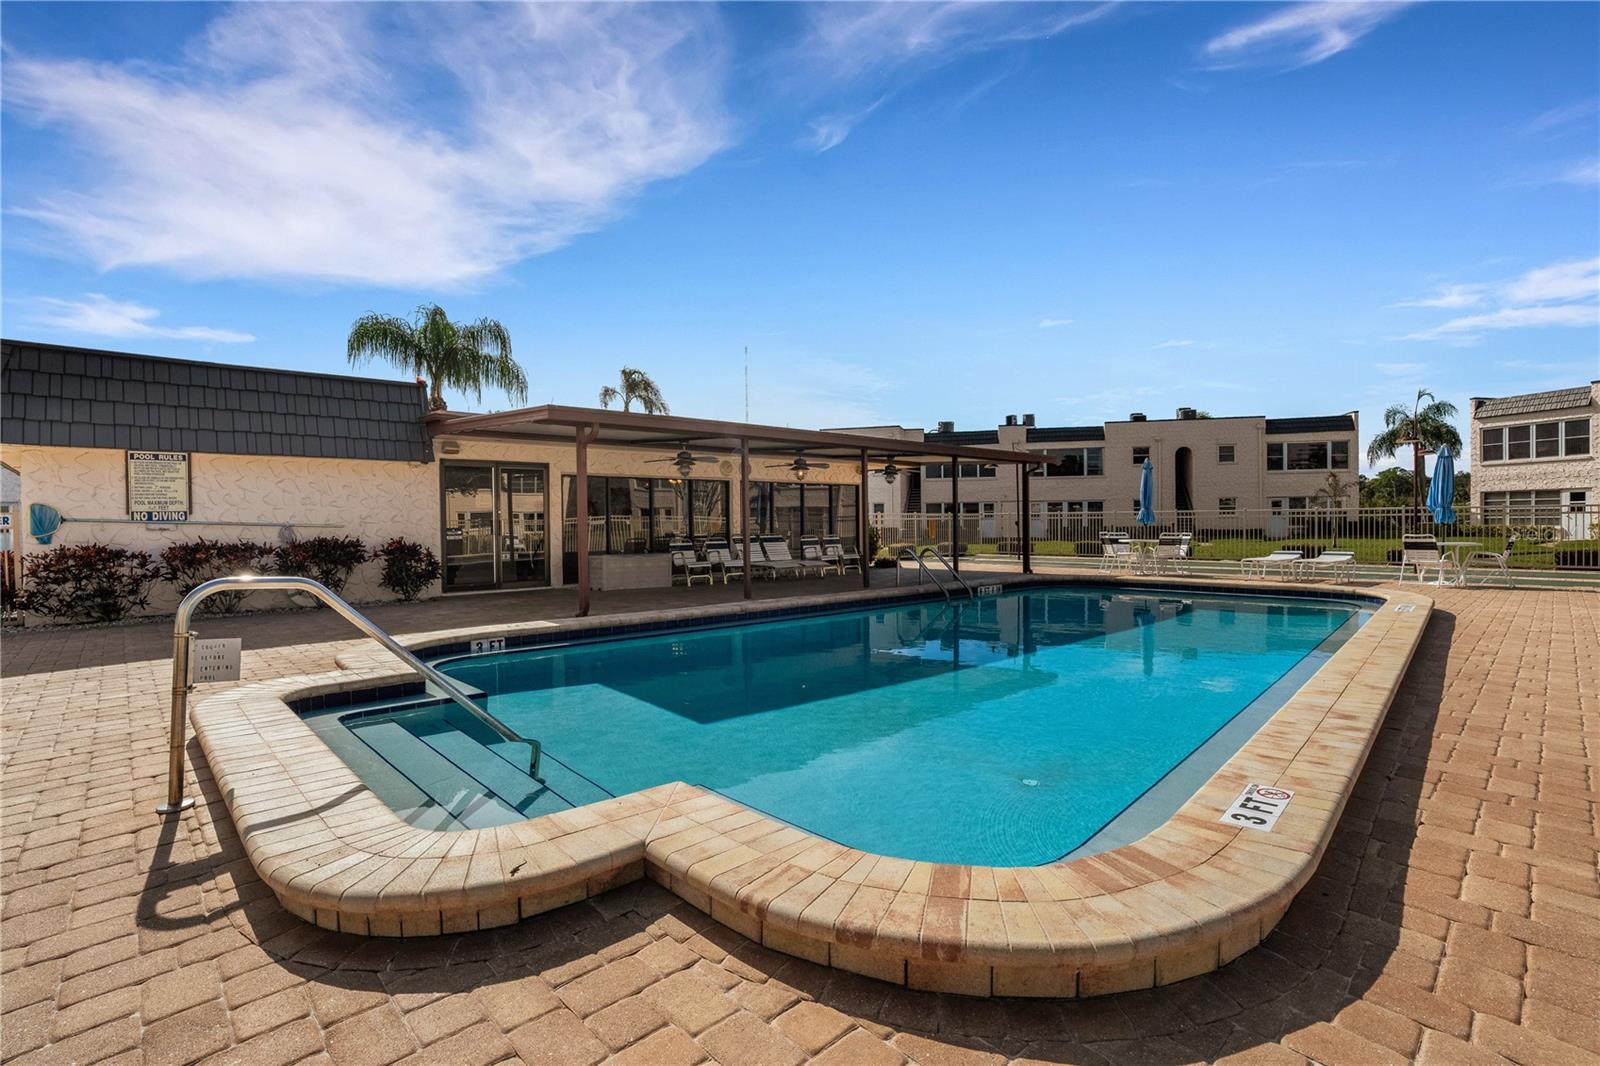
1187	897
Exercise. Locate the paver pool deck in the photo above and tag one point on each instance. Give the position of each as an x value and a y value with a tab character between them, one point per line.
1455	917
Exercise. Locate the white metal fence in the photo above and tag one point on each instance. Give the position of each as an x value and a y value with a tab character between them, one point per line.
1553	540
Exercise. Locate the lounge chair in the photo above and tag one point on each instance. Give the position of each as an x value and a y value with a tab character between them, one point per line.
1258	565
779	560
846	558
1500	561
688	565
1336	564
1421	553
723	561
811	552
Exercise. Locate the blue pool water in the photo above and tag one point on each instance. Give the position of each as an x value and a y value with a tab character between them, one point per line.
1009	730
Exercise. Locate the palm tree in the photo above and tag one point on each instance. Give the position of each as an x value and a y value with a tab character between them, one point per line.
1425	427
636	385
463	356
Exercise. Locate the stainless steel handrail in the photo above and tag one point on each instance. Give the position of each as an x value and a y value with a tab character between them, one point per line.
922	568
182	639
931	550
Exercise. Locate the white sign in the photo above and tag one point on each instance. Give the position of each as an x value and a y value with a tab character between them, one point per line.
5	521
488	644
989	590
1258	807
158	486
215	660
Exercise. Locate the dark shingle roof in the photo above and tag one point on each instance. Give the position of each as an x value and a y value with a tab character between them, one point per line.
1315	424
1047	434
964	436
84	398
1533	402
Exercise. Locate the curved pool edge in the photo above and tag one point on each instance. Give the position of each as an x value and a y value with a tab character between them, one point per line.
1184	899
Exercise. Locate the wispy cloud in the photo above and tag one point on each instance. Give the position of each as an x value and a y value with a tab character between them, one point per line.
852	48
98	315
1052	323
1449	296
1587	173
280	149
830	131
1561	294
1172	344
1298	35
1560	119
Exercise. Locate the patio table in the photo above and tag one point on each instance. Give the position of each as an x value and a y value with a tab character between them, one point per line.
1455	549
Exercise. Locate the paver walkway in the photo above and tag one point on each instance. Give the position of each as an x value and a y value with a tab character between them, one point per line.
1455	919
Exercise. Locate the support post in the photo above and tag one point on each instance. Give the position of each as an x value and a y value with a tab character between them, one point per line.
580	489
744	515
1025	520
955	514
861	526
178	732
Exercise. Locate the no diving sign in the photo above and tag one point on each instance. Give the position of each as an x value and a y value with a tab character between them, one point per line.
1257	807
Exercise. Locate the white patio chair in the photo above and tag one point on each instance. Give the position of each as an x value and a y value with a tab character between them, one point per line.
1497	562
1420	552
811	552
847	558
723	561
1115	552
688	565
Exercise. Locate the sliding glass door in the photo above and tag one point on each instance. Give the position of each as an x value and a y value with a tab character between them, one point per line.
493	525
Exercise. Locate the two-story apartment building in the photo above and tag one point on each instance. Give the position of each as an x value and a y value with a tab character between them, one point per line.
1245	463
1534	457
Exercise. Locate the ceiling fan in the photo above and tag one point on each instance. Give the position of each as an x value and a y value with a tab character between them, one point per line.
889	471
685	460
802	466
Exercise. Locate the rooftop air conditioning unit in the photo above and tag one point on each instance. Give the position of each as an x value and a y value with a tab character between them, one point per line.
947	427
1137	416
1186	412
1027	420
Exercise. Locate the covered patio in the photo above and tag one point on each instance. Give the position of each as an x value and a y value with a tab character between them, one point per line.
685	442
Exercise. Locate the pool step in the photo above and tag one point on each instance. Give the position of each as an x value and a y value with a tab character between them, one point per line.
490	765
565	783
468	800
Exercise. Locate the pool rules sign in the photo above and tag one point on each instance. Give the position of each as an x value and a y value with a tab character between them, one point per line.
1258	807
158	486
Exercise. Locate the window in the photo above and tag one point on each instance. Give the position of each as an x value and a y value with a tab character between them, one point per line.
1228	504
1096	506
1308	455
941	471
795	510
1519	442
1140	455
632	515
1224	453
1528	505
1072	462
877	508
1538	440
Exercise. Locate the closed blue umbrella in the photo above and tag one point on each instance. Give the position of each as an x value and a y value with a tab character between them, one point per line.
1442	490
1147	494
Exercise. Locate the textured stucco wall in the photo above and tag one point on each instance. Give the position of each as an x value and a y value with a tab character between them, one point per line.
371	500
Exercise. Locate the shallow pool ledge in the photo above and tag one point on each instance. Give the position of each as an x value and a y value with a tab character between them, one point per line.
1181	901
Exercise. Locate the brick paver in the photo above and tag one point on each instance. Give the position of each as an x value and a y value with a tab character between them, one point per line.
1455	918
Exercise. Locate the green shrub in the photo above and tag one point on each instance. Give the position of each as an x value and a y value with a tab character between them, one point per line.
195	562
408	567
88	582
330	560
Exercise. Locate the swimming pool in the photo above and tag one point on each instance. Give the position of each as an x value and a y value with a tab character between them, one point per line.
1012	730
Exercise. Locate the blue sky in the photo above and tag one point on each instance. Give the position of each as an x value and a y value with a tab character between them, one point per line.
907	212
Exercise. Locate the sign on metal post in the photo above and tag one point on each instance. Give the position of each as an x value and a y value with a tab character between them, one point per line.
216	659
158	486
